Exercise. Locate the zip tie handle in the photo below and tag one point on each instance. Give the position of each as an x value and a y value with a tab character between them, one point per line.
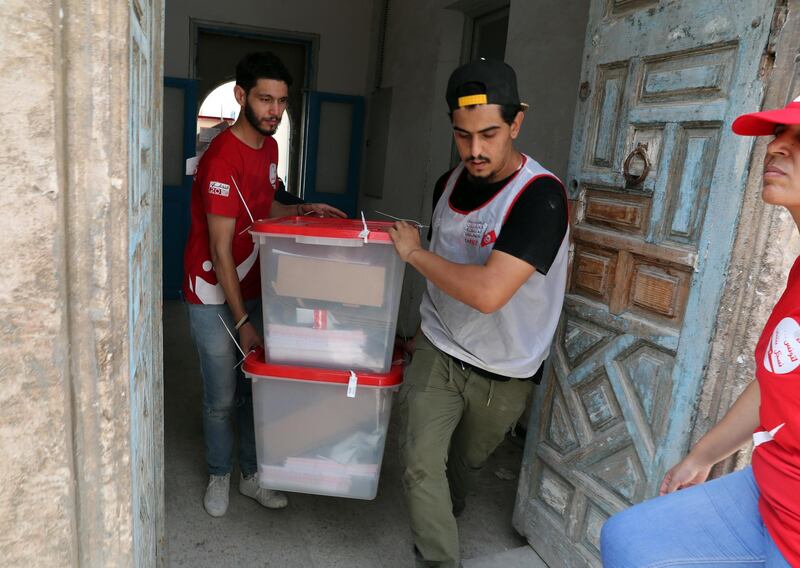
246	208
232	337
364	234
414	222
351	385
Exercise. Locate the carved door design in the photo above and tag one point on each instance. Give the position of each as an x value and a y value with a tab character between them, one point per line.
144	280
656	178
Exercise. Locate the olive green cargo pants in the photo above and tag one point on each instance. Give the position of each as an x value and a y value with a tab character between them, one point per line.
451	420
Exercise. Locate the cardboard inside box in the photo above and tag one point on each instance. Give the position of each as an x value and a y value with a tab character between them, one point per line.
290	435
330	280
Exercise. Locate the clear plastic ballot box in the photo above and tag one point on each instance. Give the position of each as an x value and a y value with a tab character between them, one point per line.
330	292
320	431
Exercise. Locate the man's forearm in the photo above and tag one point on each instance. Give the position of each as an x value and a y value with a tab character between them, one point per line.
282	210
464	282
225	268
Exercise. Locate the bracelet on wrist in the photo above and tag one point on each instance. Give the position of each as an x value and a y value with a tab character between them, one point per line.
242	321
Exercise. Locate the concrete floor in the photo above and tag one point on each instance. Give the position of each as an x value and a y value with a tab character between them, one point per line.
314	531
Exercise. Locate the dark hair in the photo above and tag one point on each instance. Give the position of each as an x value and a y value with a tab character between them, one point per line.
261	65
507	112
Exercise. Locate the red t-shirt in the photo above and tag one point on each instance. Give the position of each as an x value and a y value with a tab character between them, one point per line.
214	191
776	459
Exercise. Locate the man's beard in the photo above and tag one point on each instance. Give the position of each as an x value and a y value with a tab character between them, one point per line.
480	180
254	122
484	179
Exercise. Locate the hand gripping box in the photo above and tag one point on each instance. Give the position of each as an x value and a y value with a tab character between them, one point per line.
320	431
330	292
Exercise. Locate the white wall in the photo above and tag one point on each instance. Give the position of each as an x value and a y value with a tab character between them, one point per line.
343	27
545	47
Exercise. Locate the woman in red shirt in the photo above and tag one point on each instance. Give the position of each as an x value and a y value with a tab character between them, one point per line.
750	517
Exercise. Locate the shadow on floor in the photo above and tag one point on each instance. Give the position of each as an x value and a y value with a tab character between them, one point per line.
314	531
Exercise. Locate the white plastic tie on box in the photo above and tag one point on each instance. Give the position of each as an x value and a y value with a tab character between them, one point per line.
239	347
414	222
351	385
246	208
364	234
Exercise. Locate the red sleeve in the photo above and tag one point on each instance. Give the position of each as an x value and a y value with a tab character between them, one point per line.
218	190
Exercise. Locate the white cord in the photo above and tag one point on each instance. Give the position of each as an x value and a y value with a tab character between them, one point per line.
232	337
412	221
246	208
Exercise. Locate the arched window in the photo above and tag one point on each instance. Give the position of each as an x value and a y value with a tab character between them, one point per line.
220	110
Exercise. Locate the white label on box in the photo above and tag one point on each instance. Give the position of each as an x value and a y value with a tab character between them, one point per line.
304	316
351	385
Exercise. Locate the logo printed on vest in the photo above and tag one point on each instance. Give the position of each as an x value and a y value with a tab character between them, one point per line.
488	238
783	351
473	232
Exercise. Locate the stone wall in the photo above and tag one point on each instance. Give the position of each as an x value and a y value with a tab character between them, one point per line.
68	342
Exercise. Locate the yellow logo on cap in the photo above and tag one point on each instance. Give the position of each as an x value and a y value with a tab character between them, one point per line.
472	100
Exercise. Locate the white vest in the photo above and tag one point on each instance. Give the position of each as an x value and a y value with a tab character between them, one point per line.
515	340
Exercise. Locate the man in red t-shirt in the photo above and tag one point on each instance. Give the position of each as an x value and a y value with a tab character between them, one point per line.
235	184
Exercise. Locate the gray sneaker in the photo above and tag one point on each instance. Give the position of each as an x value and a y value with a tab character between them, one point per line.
249	487
216	499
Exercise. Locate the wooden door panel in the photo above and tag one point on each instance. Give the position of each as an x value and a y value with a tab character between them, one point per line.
622	7
593	271
678	77
657	178
607	115
694	154
628	213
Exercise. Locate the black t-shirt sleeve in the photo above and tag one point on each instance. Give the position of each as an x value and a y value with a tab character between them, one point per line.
536	225
438	190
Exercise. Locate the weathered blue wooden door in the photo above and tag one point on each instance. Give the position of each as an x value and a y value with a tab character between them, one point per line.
180	126
657	178
332	158
145	423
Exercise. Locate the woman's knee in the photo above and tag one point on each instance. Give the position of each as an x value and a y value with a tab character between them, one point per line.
616	537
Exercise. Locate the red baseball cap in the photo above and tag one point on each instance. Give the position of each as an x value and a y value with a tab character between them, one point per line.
763	123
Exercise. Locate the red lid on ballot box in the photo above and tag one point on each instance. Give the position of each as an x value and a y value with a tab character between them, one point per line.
329	227
254	366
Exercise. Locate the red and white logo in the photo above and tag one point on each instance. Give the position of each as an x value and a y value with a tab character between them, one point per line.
219	188
273	174
473	232
764	436
783	352
488	238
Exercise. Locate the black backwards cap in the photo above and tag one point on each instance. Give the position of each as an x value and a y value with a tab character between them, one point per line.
483	82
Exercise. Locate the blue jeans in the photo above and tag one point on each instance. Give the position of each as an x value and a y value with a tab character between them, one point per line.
226	392
716	523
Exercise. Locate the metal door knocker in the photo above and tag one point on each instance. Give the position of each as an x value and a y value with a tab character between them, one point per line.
641	152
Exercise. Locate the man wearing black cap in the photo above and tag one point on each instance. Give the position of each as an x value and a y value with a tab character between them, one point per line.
496	273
